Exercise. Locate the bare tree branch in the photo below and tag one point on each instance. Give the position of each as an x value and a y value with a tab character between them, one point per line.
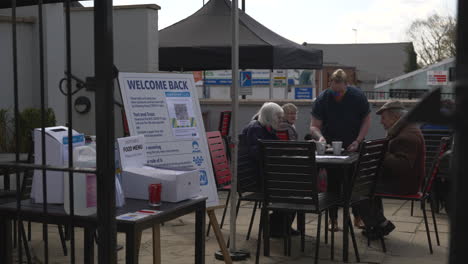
433	38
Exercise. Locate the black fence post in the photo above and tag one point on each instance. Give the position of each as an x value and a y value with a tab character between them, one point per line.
103	63
459	216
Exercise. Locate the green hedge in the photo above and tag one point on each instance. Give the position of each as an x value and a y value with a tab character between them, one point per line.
29	119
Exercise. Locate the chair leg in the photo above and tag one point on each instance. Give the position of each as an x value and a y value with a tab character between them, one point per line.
251	220
435	223
412	206
22	233
326	227
353	239
423	207
285	234
208	229
368	230
382	242
15	233
332	249
317	242
62	239
301	228
259	239
225	209
288	232
29	230
238	207
266	232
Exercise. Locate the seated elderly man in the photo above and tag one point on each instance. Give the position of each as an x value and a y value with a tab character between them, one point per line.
403	166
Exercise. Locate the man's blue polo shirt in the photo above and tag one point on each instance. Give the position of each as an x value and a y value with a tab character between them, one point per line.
341	121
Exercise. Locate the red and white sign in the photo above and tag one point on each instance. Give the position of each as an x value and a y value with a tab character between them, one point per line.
437	77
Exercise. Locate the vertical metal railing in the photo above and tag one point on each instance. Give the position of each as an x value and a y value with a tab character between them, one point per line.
71	192
16	115
103	64
45	230
104	76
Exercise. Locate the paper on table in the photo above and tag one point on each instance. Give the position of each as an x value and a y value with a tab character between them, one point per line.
132	216
330	157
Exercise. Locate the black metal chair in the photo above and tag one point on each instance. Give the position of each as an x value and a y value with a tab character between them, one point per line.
290	185
364	181
425	195
432	139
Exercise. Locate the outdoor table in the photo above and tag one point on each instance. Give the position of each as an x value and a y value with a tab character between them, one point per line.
132	229
347	165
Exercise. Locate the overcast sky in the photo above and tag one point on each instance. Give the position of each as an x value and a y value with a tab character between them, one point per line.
315	21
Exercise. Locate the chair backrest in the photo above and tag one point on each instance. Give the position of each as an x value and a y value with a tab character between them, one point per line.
371	155
432	138
247	172
221	167
289	171
225	123
444	145
282	134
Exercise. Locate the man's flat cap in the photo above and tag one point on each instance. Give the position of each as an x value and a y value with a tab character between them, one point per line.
390	105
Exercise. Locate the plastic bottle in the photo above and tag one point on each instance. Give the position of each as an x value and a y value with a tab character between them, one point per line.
84	185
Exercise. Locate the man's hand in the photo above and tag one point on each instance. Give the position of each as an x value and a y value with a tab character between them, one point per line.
322	139
353	147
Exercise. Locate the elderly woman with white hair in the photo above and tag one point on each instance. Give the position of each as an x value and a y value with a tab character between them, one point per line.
264	126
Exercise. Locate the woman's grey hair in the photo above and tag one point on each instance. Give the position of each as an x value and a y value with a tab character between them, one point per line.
270	115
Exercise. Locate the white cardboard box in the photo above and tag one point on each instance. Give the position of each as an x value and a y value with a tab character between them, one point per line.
177	184
56	140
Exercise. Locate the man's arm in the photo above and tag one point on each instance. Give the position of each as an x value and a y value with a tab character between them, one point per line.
315	129
362	133
364	128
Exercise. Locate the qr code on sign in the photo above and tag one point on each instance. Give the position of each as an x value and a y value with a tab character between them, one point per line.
181	111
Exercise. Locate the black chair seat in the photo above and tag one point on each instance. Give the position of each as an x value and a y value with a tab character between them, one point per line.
325	201
252	197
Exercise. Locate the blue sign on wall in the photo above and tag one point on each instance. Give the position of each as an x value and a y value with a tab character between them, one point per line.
246	79
303	93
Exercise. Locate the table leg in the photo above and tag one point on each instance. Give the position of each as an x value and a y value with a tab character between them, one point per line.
5	241
156	244
89	245
200	235
219	236
132	238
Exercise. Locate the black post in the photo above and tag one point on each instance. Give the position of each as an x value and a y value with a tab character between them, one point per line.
70	130
243	5
103	63
459	217
17	128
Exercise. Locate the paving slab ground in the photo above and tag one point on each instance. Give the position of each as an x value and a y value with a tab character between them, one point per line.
407	244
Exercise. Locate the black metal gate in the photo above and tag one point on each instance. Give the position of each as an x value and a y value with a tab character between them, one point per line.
104	223
104	78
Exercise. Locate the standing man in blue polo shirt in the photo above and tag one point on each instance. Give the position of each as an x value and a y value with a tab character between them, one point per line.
340	113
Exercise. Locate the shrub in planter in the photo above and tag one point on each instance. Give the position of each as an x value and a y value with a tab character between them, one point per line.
30	118
5	131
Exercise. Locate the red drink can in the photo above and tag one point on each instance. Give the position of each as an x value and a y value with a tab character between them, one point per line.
154	194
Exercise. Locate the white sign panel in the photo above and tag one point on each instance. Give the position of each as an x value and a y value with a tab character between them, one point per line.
164	108
437	77
132	152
